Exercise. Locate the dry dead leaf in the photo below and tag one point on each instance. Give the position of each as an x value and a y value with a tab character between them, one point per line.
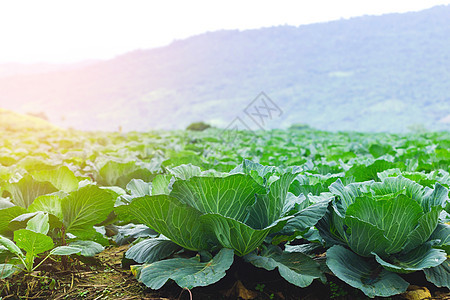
238	290
442	295
415	292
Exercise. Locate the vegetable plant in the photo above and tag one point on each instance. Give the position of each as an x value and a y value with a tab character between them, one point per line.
43	221
228	215
34	241
378	230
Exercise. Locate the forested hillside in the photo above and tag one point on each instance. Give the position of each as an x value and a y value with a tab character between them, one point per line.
372	73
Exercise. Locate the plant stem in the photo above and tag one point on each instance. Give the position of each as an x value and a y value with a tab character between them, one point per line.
63	243
41	262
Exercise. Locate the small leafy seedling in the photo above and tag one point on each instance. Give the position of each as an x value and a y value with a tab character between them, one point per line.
336	290
34	241
260	287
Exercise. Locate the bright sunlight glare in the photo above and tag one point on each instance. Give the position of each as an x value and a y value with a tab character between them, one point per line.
68	31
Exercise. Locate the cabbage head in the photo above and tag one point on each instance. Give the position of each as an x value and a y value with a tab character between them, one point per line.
379	229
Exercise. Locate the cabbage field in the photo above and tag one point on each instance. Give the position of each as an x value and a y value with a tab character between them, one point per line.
279	214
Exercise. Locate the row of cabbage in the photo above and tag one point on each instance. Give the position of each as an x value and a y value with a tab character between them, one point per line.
377	205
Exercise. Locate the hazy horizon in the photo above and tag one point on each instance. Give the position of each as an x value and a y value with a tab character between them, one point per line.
71	32
337	75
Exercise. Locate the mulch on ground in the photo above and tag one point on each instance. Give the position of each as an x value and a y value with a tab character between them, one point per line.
103	277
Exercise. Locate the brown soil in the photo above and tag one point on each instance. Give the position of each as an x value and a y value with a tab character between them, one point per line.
104	278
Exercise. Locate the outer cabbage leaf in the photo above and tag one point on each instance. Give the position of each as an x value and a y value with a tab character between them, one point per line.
378	150
111	172
440	275
328	230
121	173
47	203
297	268
87	248
175	220
11	247
7	270
160	184
258	172
187	273
185	172
84	208
8	214
363	273
5	203
365	238
139	188
131	232
62	178
65	250
370	172
39	223
441	237
27	189
152	250
415	260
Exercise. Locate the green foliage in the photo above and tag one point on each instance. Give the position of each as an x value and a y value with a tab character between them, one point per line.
336	290
391	224
120	173
84	208
205	213
27	189
375	203
364	274
187	273
296	267
33	241
61	178
299	126
152	250
198	126
439	275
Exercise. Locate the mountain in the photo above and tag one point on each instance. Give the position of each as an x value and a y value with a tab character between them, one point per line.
371	73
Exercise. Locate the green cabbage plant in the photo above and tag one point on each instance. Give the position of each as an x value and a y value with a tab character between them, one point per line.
380	229
34	241
227	215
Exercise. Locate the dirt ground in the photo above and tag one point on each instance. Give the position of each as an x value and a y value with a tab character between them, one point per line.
104	278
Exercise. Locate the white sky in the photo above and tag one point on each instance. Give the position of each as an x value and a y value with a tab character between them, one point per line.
74	30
